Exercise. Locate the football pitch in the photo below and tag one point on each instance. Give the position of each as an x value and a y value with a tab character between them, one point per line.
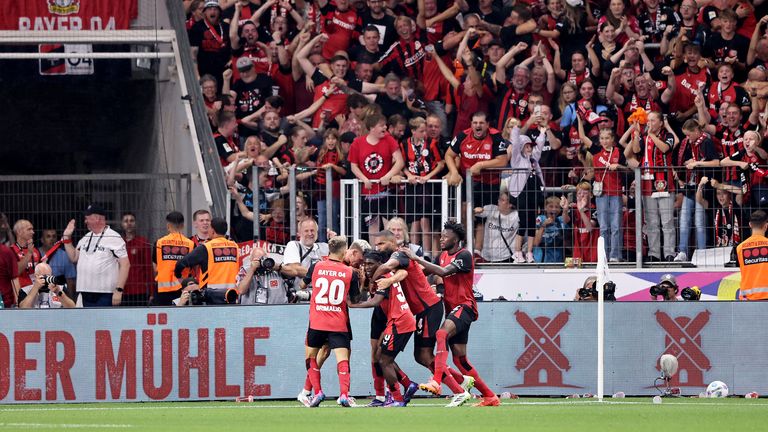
630	414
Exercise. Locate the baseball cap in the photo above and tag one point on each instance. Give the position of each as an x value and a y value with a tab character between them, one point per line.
212	3
95	209
244	63
668	278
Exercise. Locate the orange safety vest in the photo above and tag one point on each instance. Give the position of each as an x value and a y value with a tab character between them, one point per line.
169	250
221	273
753	262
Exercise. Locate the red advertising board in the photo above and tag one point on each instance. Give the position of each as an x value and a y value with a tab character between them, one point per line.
47	15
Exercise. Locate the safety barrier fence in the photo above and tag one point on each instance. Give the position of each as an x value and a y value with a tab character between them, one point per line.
49	202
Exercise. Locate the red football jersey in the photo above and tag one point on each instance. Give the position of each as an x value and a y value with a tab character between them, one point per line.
418	291
458	286
25	277
472	150
395	306
374	160
332	282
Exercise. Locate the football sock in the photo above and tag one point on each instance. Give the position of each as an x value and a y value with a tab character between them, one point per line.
394	389
307	385
343	370
455	374
314	374
378	379
441	356
402	378
467	369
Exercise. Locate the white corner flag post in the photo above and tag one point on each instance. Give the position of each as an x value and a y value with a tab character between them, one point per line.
602	278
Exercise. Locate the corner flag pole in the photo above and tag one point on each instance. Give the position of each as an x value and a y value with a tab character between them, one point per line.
602	278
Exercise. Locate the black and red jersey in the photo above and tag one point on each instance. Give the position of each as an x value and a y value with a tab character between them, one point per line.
332	283
472	150
655	165
728	142
749	178
459	286
420	158
418	291
733	94
225	146
395	307
511	103
406	58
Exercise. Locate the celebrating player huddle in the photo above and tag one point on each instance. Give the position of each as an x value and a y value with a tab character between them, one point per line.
404	303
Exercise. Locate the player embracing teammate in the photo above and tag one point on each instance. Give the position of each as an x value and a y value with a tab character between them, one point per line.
457	270
400	325
428	308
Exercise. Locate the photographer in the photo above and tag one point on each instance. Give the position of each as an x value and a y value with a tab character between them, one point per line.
191	294
300	254
45	291
588	292
259	281
667	288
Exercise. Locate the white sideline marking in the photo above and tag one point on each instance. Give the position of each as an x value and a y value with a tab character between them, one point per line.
141	406
63	425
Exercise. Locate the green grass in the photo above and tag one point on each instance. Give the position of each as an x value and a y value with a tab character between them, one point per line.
631	414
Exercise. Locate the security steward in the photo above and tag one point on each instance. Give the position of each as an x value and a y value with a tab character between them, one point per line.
168	251
753	259
217	259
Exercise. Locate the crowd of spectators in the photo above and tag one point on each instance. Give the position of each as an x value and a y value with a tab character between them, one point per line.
572	97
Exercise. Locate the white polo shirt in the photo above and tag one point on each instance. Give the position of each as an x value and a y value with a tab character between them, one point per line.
97	267
295	252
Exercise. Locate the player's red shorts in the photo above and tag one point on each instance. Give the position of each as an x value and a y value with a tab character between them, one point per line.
394	342
427	324
462	317
318	338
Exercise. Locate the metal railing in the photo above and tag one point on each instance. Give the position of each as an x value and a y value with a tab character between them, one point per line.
50	201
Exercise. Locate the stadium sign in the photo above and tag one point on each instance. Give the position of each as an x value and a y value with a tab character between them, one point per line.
222	352
47	15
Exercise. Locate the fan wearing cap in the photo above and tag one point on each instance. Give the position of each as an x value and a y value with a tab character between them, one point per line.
102	260
667	288
210	43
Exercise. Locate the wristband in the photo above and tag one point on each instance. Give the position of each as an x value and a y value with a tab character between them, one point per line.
119	289
66	240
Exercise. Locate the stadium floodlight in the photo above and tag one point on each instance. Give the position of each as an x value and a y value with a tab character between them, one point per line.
668	364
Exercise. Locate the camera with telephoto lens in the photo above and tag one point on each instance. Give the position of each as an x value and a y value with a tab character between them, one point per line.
51	280
266	264
658	290
197	297
691	293
589	291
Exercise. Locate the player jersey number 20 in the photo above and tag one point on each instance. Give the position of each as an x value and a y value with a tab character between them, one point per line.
332	292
